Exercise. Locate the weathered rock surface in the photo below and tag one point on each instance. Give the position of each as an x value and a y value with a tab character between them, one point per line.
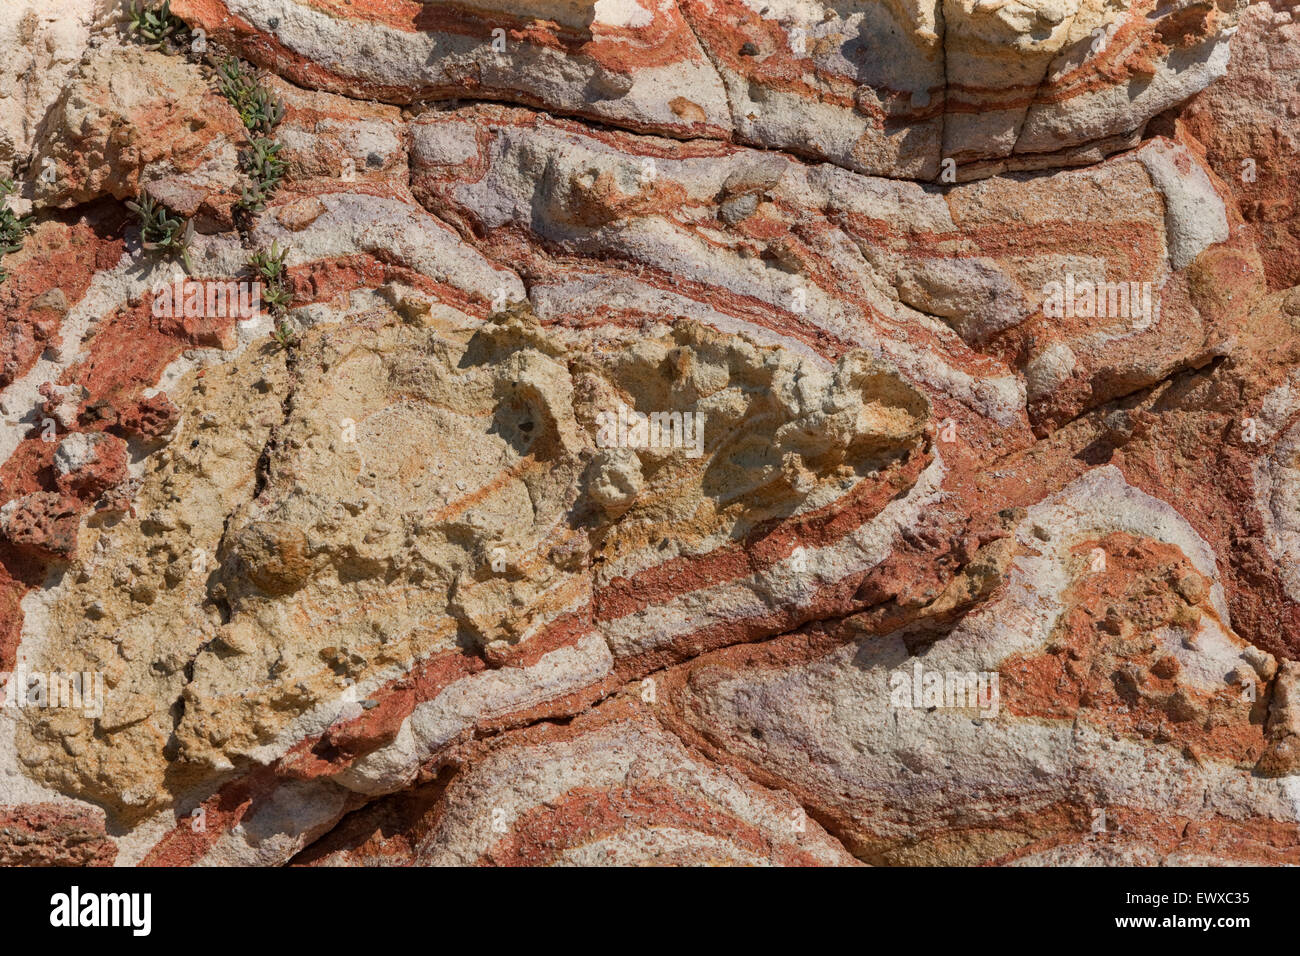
132	118
43	43
664	455
890	89
1249	124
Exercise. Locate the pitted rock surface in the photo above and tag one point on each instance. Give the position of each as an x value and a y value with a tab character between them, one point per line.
694	432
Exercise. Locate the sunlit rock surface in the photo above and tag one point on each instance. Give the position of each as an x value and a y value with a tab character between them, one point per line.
699	432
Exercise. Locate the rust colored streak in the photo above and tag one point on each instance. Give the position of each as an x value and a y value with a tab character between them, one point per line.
764	547
585	815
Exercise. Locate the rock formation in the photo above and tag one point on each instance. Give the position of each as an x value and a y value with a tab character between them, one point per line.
707	431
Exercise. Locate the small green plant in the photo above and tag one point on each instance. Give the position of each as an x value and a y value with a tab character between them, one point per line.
262	162
163	230
269	268
259	109
12	227
156	26
284	334
261	112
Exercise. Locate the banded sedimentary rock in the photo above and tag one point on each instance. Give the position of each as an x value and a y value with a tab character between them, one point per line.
1134	653
652	450
621	62
897	89
821	260
613	788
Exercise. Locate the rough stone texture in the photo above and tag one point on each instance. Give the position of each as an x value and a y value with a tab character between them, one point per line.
43	520
376	587
132	118
1250	126
88	464
885	89
43	40
53	835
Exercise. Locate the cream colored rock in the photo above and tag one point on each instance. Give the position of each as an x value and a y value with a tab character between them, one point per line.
415	489
43	42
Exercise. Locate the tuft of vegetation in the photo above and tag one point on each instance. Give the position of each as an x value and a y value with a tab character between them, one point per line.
163	230
12	227
269	268
157	26
260	110
284	334
262	162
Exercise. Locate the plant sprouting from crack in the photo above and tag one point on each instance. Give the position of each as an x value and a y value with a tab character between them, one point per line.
261	112
12	227
259	108
262	162
156	26
284	334
163	230
268	266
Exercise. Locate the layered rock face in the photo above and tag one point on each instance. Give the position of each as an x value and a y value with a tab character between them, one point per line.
628	433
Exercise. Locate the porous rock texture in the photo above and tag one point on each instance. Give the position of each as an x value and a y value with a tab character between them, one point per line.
662	384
